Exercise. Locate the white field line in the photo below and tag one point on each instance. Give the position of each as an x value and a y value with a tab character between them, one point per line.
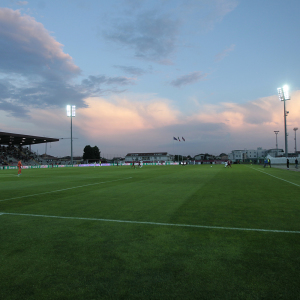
152	223
8	175
276	177
56	191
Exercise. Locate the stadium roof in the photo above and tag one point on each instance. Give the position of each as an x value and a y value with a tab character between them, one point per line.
7	138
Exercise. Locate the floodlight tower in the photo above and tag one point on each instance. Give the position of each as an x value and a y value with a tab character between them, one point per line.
295	129
283	94
71	113
276	132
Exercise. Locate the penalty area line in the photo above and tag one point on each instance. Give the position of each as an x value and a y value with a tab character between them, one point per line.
71	188
154	223
276	177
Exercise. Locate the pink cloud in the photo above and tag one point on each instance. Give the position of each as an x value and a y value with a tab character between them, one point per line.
255	115
117	115
147	123
125	114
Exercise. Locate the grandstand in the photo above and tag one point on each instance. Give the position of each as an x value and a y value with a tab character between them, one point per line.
12	148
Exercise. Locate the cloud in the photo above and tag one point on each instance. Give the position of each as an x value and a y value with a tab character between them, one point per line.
199	16
151	35
102	79
215	11
188	79
261	116
35	72
155	30
224	7
224	53
133	113
132	70
22	3
93	84
27	48
122	114
152	122
138	122
33	66
14	110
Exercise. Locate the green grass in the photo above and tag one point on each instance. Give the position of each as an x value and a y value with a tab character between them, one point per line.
85	257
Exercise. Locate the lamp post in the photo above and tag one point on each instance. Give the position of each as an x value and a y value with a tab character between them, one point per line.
276	132
283	94
295	129
71	113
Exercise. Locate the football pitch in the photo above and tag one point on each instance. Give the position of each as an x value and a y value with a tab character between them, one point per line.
158	232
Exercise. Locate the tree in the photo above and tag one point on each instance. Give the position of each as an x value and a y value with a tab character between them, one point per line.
96	152
91	153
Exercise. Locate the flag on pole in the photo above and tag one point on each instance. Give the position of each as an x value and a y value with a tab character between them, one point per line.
178	139
183	139
174	138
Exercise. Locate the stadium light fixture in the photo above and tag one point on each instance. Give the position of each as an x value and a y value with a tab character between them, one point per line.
286	92
283	94
71	113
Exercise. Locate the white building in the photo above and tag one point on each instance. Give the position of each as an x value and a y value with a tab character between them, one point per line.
237	155
256	154
276	152
153	156
249	154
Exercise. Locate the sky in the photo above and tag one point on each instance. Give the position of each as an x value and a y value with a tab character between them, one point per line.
141	72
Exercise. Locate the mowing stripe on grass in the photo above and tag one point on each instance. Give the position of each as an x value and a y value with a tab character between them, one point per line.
152	223
75	187
276	177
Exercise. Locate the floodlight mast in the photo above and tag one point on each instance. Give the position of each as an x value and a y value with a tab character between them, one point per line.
71	113
283	94
276	132
295	129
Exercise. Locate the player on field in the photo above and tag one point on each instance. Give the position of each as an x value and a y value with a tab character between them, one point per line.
20	168
133	165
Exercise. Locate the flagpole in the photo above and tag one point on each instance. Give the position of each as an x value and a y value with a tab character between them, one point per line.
173	149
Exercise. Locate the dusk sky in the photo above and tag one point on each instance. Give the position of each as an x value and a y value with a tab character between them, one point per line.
141	72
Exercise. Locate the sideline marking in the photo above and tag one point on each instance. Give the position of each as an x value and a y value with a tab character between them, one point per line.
8	175
275	176
153	223
75	187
